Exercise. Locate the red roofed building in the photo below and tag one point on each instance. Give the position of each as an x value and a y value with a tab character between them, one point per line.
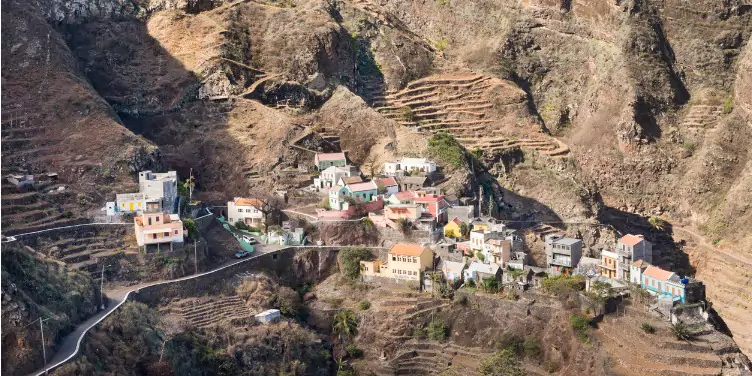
247	210
433	205
387	186
631	248
404	197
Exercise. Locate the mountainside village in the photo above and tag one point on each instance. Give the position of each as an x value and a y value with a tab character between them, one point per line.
455	242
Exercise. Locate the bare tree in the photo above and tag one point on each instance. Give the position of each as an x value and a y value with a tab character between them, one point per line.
371	165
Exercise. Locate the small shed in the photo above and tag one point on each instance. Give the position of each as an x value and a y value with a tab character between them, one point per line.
267	316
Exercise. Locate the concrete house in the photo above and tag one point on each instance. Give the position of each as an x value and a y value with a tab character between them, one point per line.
362	192
451	270
410	212
322	161
412	183
631	248
387	186
136	203
247	210
452	228
268	316
498	251
337	195
434	206
478	270
562	253
411	165
330	176
158	228
404	197
609	261
405	262
162	186
635	271
464	213
666	283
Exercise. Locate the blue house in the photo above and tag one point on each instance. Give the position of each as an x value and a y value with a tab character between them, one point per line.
663	282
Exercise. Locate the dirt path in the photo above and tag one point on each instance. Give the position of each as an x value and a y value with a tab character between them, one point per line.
703	242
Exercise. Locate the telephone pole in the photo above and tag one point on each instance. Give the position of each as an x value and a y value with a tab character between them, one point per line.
195	256
44	351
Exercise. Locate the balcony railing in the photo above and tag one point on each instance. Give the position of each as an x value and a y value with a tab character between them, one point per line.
562	262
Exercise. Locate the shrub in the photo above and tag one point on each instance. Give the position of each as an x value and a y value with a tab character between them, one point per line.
288	301
503	363
240	225
67	214
647	328
353	351
490	285
480	256
407	113
657	223
436	330
441	44
350	258
190	226
728	105
324	204
562	284
470	283
419	333
404	225
364	305
581	324
367	223
444	147
532	347
681	331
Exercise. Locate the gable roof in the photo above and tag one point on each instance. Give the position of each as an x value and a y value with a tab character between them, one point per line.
242	201
351	179
480	267
406	249
631	240
404	195
430	198
658	273
360	187
456	220
330	156
452	266
386	182
642	264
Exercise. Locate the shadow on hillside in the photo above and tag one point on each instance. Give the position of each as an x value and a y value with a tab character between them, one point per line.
667	253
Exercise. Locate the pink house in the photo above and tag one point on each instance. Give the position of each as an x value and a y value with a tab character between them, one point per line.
411	212
433	204
155	228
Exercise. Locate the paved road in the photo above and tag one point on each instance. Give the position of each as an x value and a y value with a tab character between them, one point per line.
116	298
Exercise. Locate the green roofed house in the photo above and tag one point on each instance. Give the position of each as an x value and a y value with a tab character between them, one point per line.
326	160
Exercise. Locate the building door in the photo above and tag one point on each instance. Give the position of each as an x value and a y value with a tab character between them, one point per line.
131	206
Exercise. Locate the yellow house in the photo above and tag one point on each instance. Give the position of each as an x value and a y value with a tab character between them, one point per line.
404	261
452	229
479	225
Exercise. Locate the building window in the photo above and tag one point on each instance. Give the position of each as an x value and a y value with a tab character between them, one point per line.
240	210
153	236
176	232
394	258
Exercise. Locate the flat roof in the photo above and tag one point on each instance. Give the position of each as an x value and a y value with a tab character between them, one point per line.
567	241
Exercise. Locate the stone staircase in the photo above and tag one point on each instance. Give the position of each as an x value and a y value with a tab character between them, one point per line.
458	105
635	352
702	116
209	312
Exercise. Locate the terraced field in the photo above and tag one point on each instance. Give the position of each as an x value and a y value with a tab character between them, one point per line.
459	105
203	313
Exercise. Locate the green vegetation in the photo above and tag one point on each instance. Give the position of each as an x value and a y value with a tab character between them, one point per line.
407	113
436	330
289	302
477	153
490	285
445	148
532	347
681	331
441	44
353	351
464	229
503	363
345	325
404	225
190	227
647	328
480	256
364	305
367	223
349	260
240	225
563	284
581	325
68	214
324	204
657	223
728	105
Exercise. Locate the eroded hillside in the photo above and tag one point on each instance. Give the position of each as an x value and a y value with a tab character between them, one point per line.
587	111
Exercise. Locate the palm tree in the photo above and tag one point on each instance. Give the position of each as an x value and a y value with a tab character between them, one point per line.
681	331
345	325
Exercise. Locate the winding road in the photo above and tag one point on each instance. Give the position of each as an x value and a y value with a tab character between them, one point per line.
115	298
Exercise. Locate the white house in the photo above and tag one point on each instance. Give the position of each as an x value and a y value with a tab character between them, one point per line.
331	175
268	316
163	186
247	210
409	164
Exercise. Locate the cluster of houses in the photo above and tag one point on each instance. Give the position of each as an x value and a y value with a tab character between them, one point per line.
401	193
155	206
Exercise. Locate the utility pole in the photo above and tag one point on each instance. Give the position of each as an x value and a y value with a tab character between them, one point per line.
44	351
101	288
190	186
195	256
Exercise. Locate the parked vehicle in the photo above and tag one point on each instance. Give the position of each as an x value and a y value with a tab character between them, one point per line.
249	239
242	253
